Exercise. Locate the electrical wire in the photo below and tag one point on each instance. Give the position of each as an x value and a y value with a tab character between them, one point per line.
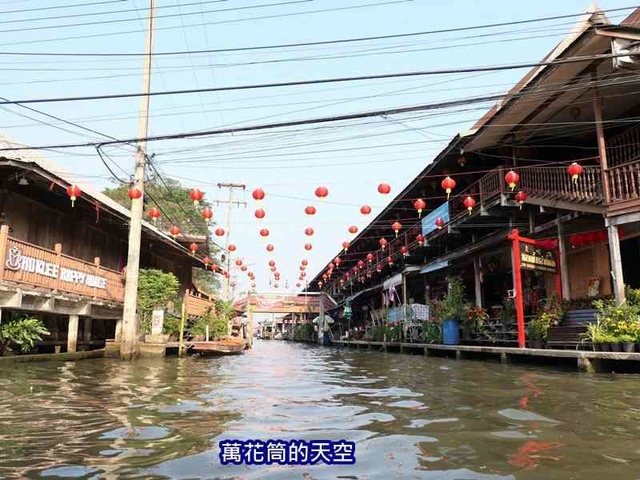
325	42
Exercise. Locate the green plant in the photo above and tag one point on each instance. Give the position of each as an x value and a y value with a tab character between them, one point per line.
303	333
474	320
508	314
431	332
21	334
453	306
155	289
626	338
217	325
548	316
594	333
171	325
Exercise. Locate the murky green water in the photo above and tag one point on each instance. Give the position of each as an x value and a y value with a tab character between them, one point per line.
410	416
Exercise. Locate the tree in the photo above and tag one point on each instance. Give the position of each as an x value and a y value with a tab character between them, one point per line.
21	334
155	289
174	200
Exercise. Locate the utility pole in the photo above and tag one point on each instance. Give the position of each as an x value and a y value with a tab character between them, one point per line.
230	203
130	326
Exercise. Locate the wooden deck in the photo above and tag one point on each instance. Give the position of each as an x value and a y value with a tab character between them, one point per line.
584	360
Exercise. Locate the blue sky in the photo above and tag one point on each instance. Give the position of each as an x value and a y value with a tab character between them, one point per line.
350	158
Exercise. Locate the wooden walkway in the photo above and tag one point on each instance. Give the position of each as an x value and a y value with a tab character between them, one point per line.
584	360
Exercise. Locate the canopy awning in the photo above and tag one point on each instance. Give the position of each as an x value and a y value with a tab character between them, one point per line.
393	281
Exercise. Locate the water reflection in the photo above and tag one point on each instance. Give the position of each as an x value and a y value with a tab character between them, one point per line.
410	416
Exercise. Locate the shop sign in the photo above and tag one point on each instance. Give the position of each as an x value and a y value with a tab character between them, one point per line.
16	261
536	258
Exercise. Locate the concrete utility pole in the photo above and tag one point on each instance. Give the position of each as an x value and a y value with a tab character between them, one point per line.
130	326
230	203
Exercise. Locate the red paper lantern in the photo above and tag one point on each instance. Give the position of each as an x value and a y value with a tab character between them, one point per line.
520	197
353	229
206	261
322	192
270	248
238	262
365	210
396	227
308	231
390	260
337	261
310	210
194	248
331	266
308	246
243	268
360	263
419	205
174	231
219	231
448	184
404	250
439	223
272	268
134	193
305	263
264	232
298	285
74	192
346	246
302	268
207	213
231	248
383	243
384	188
258	194
196	195
575	170
154	214
253	285
469	202
260	213
370	257
272	263
512	178
419	239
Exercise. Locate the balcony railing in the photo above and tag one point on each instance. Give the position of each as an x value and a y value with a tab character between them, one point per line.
624	182
198	305
29	265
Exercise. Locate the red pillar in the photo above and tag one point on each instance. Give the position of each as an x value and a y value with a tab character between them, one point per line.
514	236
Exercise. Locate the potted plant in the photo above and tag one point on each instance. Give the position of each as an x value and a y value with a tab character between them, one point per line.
627	341
595	335
452	309
431	332
474	321
547	317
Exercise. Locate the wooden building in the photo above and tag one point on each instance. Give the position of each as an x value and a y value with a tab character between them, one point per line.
581	104
64	262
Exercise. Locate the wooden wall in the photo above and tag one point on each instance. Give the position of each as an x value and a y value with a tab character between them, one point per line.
584	262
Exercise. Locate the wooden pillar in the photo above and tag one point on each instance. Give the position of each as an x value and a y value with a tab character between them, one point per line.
514	236
477	280
88	324
615	256
4	241
602	146
562	256
72	335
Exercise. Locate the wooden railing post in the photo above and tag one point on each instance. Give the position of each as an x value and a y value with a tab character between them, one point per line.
58	249
4	243
96	262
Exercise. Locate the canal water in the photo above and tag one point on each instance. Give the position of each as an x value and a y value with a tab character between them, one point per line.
410	417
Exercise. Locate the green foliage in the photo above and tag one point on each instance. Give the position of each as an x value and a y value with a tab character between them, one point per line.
21	334
508	314
616	323
453	306
171	325
217	326
155	289
474	320
431	332
206	281
548	316
175	202
304	333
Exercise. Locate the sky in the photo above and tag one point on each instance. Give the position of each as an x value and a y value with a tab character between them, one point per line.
350	158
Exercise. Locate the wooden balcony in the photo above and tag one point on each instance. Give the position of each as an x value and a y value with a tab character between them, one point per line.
32	266
624	188
198	305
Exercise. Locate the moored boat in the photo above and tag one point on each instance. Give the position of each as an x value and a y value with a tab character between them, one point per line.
220	346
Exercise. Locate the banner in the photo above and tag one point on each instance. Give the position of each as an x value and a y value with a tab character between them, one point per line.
429	222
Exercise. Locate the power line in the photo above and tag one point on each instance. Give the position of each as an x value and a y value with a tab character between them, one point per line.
448	71
59	7
323	42
172	15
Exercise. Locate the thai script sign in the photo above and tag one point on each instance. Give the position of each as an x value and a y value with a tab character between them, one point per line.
16	261
536	258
